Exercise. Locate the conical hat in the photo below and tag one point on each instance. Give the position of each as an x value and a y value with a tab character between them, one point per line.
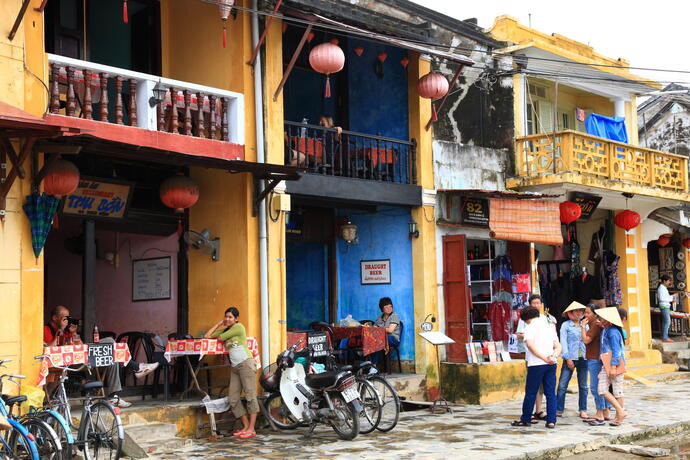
610	314
574	306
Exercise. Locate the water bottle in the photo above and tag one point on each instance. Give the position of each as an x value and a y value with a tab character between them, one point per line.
96	335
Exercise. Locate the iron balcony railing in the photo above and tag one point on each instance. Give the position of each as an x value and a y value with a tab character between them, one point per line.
325	151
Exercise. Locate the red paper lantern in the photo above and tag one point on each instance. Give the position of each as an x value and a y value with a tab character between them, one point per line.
179	192
61	178
686	243
627	219
432	86
334	41
359	50
663	241
382	57
570	212
310	36
225	11
404	62
327	58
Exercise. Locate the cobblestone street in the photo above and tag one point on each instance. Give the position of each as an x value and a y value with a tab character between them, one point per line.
470	432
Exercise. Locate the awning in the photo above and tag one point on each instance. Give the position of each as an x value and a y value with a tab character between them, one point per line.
531	221
15	122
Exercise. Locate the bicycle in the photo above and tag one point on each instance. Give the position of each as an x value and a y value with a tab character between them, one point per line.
388	399
16	442
100	432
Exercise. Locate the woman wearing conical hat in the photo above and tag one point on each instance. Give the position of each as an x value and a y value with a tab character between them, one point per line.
613	361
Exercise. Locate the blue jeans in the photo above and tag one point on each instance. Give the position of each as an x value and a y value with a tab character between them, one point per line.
594	367
665	322
564	380
536	376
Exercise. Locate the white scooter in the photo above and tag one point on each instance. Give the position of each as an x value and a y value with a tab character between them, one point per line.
329	397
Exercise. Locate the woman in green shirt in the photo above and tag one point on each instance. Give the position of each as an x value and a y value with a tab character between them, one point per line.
242	372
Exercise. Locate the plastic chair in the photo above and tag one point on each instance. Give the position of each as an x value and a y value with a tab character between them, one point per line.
366	322
396	349
137	342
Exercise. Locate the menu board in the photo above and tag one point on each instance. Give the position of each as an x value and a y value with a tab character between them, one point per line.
588	203
151	279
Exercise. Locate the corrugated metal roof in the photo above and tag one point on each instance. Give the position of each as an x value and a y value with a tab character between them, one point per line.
500	194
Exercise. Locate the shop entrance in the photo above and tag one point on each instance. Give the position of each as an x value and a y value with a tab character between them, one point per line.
115	259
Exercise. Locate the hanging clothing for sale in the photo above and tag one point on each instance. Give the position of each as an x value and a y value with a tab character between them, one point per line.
613	295
499	317
561	296
586	288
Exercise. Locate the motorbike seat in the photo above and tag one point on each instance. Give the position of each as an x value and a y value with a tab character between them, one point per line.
323	380
362	365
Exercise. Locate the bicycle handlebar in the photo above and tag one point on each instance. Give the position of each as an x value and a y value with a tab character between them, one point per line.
12	376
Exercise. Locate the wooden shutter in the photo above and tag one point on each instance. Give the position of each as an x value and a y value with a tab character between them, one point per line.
456	296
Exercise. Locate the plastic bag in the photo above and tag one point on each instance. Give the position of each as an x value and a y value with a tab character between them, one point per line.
216	406
348	322
34	397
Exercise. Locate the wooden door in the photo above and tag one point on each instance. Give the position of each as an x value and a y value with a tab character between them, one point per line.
457	296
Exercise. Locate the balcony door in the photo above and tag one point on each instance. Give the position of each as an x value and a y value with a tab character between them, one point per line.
94	30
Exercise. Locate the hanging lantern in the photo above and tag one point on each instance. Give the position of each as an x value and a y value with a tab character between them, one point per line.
327	58
359	50
224	14
348	232
179	192
570	212
432	86
310	37
125	13
334	41
285	26
404	62
627	220
686	243
663	241
61	178
382	57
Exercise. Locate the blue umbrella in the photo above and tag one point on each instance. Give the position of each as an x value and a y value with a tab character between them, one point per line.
40	208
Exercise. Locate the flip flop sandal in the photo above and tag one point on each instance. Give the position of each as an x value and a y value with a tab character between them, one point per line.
247	435
238	433
519	423
539	415
596	423
551	425
614	423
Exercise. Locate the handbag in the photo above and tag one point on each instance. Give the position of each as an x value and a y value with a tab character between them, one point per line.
617	369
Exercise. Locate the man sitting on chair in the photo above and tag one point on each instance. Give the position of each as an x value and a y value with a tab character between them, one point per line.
58	332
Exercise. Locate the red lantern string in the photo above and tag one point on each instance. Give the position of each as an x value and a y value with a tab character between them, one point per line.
404	62
310	37
125	14
382	57
328	87
180	231
434	115
359	50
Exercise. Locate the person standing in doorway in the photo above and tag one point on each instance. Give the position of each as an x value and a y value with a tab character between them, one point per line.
664	300
242	372
542	351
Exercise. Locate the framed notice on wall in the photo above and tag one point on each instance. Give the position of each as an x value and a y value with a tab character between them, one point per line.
375	271
475	211
151	279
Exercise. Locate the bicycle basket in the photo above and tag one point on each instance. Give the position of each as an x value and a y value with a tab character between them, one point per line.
270	377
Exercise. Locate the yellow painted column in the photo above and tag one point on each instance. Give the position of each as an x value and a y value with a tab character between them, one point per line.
632	271
273	134
424	247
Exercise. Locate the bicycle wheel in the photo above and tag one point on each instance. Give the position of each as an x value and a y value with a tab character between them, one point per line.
346	425
17	442
60	404
101	430
370	416
390	403
47	441
62	429
279	413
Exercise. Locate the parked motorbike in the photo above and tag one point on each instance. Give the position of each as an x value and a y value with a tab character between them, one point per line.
300	399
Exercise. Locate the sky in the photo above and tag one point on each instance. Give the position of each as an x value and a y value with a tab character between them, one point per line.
647	34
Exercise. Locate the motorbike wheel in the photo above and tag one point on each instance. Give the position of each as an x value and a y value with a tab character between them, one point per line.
346	429
370	416
279	414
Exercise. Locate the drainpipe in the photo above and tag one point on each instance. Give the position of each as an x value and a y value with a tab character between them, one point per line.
260	158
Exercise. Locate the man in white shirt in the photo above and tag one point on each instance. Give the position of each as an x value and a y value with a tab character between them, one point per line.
664	301
542	350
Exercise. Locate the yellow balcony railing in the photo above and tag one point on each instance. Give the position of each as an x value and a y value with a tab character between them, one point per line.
572	151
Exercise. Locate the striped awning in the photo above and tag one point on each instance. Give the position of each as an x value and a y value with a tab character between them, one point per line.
531	221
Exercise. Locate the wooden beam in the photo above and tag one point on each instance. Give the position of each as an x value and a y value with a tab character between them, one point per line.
291	64
42	7
443	101
88	287
18	21
255	53
7	145
9	180
38	177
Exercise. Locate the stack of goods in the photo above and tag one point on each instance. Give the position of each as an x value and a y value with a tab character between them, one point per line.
499	309
483	352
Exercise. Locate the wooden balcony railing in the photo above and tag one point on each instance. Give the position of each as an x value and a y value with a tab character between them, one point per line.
350	154
572	151
98	92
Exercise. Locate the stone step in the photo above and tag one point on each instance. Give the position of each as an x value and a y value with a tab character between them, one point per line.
653	369
678	375
670	346
167	445
150	432
409	386
644	361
